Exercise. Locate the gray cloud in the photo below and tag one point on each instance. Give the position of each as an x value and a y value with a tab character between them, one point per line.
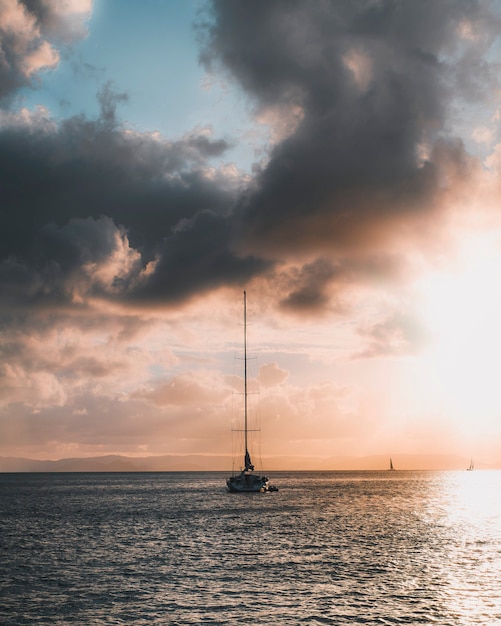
370	87
29	31
70	190
375	83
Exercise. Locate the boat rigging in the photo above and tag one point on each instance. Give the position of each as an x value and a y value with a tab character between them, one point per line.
246	481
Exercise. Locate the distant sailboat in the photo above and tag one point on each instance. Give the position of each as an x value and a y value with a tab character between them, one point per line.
391	468
471	467
246	481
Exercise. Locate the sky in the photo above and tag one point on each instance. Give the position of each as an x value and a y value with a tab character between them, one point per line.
339	161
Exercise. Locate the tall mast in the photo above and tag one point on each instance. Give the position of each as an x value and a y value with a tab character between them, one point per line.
245	372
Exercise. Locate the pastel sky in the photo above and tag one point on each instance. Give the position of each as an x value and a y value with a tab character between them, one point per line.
340	161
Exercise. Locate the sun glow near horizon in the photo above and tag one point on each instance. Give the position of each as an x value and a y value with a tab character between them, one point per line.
461	309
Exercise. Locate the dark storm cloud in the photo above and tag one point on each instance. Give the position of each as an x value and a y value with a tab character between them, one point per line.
89	208
374	81
78	194
307	286
197	257
89	168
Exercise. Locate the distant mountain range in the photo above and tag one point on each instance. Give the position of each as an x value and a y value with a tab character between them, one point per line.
117	463
173	463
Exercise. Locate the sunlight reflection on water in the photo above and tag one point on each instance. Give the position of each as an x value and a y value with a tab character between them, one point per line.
328	548
473	518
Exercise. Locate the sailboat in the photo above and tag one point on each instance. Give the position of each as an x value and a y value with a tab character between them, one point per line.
471	467
391	468
246	481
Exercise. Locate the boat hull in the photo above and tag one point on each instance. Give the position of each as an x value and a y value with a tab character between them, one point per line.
247	483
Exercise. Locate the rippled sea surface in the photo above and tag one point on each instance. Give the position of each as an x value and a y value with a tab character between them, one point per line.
176	548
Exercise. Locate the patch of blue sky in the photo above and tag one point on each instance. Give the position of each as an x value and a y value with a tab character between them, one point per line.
148	50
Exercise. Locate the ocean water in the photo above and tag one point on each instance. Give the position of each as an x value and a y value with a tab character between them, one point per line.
176	548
